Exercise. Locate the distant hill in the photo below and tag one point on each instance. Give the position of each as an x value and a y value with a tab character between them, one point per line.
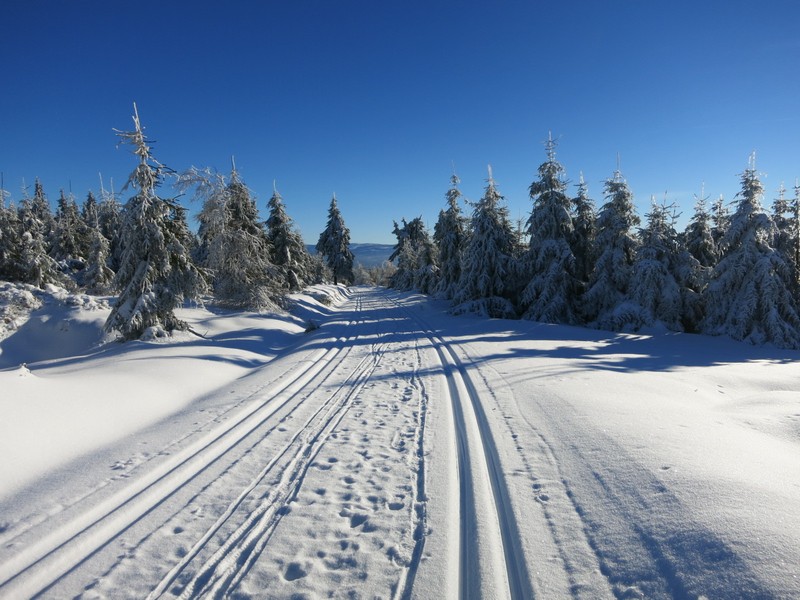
369	255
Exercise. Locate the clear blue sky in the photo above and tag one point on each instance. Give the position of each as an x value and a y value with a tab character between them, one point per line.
375	100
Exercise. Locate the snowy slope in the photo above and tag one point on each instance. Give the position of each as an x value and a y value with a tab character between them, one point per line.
394	451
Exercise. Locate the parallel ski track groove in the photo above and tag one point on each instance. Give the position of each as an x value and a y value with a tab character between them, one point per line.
516	566
420	495
247	491
548	450
37	567
226	568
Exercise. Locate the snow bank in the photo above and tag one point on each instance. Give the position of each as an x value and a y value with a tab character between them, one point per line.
66	390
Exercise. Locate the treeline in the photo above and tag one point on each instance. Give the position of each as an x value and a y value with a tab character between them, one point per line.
730	272
145	253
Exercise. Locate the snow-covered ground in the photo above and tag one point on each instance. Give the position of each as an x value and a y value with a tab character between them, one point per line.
392	451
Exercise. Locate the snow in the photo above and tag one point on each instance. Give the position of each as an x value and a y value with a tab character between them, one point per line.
390	450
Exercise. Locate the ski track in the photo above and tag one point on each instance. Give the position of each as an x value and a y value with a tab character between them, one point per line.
236	555
236	535
36	567
605	525
496	567
371	507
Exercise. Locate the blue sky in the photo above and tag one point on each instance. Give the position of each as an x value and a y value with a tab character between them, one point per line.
376	101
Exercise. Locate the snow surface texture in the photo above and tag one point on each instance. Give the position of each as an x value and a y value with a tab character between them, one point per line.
370	445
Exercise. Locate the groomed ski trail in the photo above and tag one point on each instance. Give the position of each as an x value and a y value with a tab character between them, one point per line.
491	561
37	566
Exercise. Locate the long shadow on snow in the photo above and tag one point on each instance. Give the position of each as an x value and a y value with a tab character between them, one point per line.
661	351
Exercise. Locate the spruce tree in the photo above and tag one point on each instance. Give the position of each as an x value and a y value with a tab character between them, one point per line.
552	288
699	235
109	219
720	219
584	231
426	271
34	264
40	210
334	246
488	259
90	220
794	228
781	210
234	246
98	278
616	245
405	258
156	273
416	256
9	240
654	298
289	254
750	294
450	236
67	231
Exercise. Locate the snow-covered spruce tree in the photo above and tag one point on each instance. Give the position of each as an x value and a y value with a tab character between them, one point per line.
552	288
699	237
334	246
9	241
426	272
233	243
784	240
487	259
98	277
616	246
654	298
750	294
584	231
416	257
317	269
210	188
109	218
697	256
40	209
450	236
794	228
68	231
34	264
720	220
156	273
404	257
89	216
289	254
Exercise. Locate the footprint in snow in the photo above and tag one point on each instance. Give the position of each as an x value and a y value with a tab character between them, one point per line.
357	520
294	571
